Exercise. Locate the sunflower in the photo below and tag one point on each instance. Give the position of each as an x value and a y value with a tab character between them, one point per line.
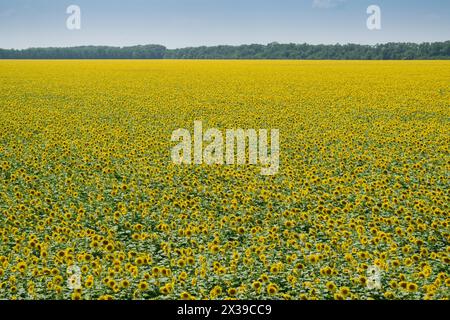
143	285
412	287
272	289
76	296
125	284
331	286
232	292
256	285
185	295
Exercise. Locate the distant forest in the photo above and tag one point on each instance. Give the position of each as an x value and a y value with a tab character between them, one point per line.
388	51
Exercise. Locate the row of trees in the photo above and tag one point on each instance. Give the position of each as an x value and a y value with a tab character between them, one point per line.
87	52
389	51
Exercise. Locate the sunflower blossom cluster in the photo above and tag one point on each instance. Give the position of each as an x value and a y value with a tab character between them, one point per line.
93	207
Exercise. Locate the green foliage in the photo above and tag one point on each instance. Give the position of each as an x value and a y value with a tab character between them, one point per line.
388	51
87	52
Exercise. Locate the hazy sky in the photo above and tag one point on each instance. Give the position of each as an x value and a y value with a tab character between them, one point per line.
181	23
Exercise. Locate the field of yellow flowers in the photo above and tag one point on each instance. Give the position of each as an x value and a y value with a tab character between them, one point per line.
91	206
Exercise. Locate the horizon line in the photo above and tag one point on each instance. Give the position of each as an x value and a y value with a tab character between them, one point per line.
227	45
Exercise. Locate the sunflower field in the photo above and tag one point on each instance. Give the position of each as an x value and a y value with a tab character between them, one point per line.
92	207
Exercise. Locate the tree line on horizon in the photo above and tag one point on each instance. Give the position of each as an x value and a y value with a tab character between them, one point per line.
388	51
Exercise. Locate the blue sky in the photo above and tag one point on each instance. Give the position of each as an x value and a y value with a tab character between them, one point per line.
181	23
